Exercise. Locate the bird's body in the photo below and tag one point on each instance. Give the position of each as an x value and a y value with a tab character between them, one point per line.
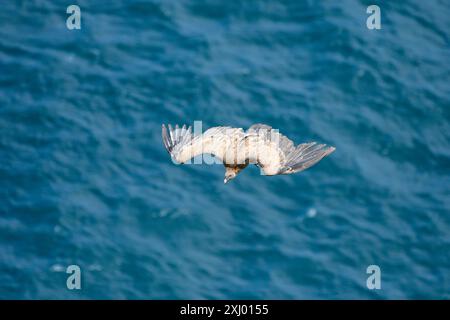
260	145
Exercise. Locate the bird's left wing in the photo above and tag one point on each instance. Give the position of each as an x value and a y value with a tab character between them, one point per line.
183	145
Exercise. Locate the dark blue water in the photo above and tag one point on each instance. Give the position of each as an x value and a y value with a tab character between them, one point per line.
85	179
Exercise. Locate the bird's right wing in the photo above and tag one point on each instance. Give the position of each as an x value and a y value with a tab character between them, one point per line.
183	145
304	156
277	154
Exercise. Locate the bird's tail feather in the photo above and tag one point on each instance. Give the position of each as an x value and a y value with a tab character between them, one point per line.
306	155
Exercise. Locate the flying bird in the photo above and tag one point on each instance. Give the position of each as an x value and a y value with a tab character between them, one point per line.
260	144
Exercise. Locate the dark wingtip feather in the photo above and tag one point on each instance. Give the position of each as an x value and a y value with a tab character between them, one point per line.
166	139
305	158
173	136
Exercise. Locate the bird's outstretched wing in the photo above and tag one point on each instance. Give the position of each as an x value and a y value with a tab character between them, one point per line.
175	137
276	154
183	145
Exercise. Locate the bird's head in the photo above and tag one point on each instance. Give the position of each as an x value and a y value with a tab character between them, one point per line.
231	173
229	176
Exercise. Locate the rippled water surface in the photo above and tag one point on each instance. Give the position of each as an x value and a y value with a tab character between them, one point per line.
85	179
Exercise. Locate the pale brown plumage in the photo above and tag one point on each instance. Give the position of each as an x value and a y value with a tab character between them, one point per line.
260	144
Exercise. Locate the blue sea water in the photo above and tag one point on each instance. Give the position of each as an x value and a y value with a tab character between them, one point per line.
85	179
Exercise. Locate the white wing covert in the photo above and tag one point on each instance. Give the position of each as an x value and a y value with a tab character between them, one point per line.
183	145
277	154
